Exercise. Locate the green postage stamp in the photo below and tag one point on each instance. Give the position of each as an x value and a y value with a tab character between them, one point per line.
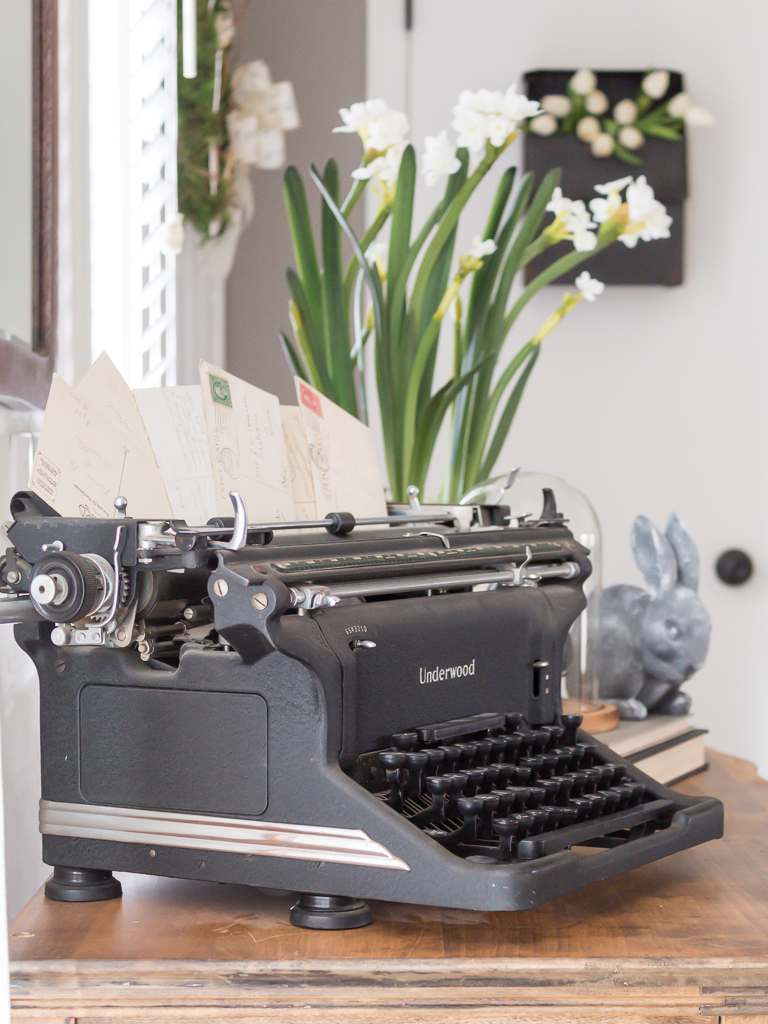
220	390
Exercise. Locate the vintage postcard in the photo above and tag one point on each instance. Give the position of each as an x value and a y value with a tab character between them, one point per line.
299	464
247	447
103	388
175	422
83	463
345	469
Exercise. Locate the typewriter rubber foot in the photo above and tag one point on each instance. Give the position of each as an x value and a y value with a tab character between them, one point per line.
82	885
330	913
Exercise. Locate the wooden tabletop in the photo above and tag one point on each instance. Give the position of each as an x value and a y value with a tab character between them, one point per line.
704	909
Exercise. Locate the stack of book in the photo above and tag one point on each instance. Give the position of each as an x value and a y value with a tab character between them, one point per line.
669	748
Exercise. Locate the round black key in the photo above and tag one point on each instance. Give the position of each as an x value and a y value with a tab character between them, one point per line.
519	796
592	778
606	775
506	771
417	759
582	806
490	805
468	753
458	781
475	778
469	807
452	755
565	787
555	816
506	801
590	754
619	774
522	776
438	785
555	733
484	750
527	740
498	748
540	821
392	759
563	760
513	743
571	725
405	740
570	816
624	796
507	829
637	789
551	787
533	763
577	782
514	721
435	758
536	797
597	800
550	766
612	800
580	753
540	742
490	777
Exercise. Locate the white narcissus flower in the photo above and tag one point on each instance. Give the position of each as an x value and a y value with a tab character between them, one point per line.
648	218
602	145
517	107
488	101
440	158
359	114
655	84
557	105
544	124
631	137
471	126
678	105
385	167
377	252
604	209
596	102
589	288
698	117
578	224
583	82
558	203
498	128
625	112
482	247
587	128
387	129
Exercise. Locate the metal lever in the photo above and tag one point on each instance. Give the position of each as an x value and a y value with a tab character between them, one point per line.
240	531
492	489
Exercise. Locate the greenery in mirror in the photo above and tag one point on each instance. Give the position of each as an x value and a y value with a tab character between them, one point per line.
408	275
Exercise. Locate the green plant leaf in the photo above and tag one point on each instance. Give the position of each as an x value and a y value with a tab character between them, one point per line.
624	154
308	337
302	237
662	132
336	326
505	420
292	357
402	214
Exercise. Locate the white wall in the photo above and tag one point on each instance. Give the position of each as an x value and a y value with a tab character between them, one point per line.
651	399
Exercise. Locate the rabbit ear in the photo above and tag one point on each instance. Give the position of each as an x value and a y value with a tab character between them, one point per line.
654	556
685	551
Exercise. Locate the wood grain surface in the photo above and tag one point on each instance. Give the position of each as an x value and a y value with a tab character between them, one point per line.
685	937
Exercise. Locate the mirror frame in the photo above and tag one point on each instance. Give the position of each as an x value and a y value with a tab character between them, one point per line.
25	372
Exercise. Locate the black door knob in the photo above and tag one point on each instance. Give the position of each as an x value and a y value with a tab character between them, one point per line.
734	567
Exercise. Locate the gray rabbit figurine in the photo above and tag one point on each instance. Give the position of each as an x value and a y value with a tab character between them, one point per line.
650	643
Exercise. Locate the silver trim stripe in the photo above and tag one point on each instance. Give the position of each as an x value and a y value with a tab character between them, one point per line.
225	835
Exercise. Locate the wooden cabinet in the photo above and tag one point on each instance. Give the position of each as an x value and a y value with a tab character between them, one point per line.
671	943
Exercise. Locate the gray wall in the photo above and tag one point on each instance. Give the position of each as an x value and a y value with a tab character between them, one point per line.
320	47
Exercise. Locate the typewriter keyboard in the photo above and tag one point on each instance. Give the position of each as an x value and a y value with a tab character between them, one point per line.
493	790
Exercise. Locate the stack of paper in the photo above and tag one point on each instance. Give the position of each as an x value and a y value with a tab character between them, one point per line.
177	452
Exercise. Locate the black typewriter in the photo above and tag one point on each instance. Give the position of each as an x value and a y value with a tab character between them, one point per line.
350	709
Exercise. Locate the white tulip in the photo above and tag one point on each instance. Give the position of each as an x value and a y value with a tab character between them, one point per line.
544	124
557	105
698	117
602	145
589	288
625	112
655	84
588	128
631	137
678	105
583	82
596	102
173	243
440	158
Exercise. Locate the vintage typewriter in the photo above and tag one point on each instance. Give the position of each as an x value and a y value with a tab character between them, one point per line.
347	709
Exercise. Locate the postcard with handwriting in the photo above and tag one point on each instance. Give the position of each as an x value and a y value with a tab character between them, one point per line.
245	437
